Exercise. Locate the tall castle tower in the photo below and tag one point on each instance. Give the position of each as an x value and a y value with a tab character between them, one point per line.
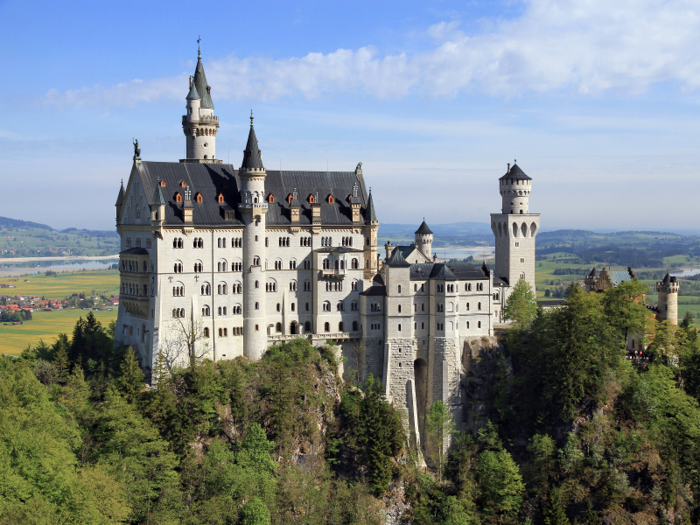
200	125
424	240
253	207
668	299
515	229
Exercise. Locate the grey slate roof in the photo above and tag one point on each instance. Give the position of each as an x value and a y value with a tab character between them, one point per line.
397	260
200	81
252	156
120	197
446	271
370	216
515	173
134	251
193	94
423	229
209	180
620	277
158	199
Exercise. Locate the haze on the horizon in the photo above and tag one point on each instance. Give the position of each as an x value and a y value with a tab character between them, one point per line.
597	100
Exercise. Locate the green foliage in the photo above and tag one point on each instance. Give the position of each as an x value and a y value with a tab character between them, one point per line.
500	483
130	382
439	425
553	511
255	512
521	305
374	433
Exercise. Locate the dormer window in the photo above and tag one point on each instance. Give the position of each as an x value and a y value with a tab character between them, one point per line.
178	197
198	198
312	199
220	198
330	199
162	184
350	197
183	184
289	198
271	198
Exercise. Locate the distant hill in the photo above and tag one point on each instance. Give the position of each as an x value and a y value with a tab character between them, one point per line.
6	222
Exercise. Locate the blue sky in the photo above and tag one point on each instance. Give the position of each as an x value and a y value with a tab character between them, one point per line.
597	100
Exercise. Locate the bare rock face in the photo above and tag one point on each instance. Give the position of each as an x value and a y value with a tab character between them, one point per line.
479	366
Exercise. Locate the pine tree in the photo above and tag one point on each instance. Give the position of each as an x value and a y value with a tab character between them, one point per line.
553	510
131	380
60	358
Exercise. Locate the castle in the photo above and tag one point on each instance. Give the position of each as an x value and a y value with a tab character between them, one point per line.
220	262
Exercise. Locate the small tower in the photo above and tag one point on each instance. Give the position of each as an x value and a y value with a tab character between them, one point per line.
515	229
253	208
424	240
200	125
157	207
668	299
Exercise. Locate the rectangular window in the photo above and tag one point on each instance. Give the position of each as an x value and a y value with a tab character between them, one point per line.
517	244
522	260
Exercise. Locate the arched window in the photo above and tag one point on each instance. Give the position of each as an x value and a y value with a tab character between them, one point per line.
399	308
327	327
399	288
278	327
206	311
206	331
292	286
220	198
341	327
340	306
178	197
327	306
271	200
312	199
354	326
256	261
354	264
198	198
331	200
326	264
257	306
307	327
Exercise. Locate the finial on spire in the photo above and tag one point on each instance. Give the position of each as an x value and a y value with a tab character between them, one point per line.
199	48
251	118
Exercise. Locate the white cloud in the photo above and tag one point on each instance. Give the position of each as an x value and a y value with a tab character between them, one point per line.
586	47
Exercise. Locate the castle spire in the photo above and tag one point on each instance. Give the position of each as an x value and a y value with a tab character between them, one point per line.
200	82
252	156
370	215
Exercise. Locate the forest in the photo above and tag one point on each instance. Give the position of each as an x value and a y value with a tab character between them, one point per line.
580	431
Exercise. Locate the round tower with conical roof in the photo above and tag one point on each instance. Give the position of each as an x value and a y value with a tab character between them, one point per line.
515	229
424	240
667	306
200	125
253	208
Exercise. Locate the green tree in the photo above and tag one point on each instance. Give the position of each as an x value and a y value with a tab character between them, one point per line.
255	512
553	510
452	512
60	357
130	381
439	425
500	484
521	305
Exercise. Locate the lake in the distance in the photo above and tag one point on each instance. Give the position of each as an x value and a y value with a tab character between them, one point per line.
685	273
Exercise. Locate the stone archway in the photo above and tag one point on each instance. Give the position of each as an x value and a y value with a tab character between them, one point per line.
294	328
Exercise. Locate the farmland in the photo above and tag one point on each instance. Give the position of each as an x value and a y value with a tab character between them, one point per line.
47	325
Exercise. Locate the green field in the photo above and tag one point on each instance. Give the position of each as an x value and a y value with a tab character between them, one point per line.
46	326
63	285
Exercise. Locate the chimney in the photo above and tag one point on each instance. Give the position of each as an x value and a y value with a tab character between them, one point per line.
509	167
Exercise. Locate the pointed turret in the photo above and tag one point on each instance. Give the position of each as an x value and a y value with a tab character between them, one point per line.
398	260
200	125
157	206
252	156
200	83
370	215
424	239
120	201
